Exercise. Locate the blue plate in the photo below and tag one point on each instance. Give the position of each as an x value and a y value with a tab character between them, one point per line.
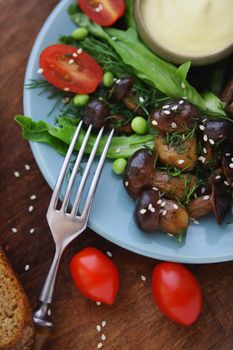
111	214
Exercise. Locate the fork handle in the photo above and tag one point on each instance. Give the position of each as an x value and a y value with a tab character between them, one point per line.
42	313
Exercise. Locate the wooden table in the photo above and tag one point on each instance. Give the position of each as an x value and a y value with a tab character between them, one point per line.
133	322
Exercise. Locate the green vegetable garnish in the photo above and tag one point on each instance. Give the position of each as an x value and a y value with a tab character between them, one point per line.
60	136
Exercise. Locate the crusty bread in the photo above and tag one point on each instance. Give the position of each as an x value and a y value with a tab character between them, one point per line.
16	325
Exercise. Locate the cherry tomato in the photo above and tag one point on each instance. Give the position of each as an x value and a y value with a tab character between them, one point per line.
103	12
95	275
176	292
70	69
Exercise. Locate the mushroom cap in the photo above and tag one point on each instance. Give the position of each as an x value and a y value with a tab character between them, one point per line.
146	212
174	116
174	218
138	172
95	113
221	201
218	130
199	206
121	88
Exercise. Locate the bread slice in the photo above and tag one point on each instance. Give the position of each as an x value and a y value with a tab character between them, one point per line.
16	325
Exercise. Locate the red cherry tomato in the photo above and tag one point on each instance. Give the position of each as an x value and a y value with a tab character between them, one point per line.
81	74
177	292
103	12
95	275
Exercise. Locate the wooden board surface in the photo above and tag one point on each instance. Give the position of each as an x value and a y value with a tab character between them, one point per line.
134	322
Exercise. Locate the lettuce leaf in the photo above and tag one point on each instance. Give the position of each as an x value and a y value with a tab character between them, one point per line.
60	136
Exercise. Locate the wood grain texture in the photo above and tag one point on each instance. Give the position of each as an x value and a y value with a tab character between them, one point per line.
134	322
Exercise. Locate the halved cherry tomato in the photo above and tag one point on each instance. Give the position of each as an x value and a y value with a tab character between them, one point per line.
95	275
177	292
103	12
69	69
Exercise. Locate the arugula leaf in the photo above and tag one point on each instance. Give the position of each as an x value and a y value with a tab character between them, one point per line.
147	66
60	136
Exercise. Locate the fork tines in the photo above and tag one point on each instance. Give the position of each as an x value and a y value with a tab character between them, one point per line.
94	182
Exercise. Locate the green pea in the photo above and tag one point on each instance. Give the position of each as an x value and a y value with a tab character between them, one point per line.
118	166
139	125
81	100
108	79
79	33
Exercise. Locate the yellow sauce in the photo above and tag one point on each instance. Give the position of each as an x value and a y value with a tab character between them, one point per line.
190	27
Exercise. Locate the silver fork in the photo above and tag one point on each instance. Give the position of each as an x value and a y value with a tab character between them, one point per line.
67	226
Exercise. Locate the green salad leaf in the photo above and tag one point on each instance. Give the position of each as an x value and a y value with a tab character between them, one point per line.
150	68
59	137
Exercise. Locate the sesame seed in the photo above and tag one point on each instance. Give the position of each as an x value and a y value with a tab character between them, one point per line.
232	159
30	208
181	102
204	120
33	197
195	195
143	278
196	222
71	61
167	112
202	159
32	230
174	108
165	106
175	206
142	211
101	98
218	177
201	127
65	100
180	161
227	154
173	125
183	85
204	150
205	138
98	327
170	234
49	312
211	142
149	206
118	81
164	212
159	201
74	54
206	198
203	190
103	337
99	345
109	253
114	38
40	71
141	99
14	229
17	174
98	303
126	183
99	8
27	167
79	51
117	150
155	188
26	267
154	122
103	323
161	210
226	183
163	204
231	165
152	209
66	89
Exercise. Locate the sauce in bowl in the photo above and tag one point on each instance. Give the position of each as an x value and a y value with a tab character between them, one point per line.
191	28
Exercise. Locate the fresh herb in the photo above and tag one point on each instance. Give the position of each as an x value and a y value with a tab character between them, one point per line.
177	139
